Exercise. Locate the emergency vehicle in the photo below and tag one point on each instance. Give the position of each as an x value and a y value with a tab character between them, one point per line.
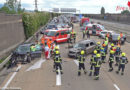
83	20
58	36
95	29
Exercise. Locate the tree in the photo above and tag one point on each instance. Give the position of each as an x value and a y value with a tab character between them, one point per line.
125	12
12	7
102	10
11	4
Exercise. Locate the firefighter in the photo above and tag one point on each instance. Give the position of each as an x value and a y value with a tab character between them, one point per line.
111	60
122	62
105	48
117	54
58	62
92	63
54	54
106	45
81	59
84	33
112	45
97	66
119	40
73	36
88	35
98	47
103	55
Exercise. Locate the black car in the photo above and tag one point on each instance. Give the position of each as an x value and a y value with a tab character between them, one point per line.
51	26
24	54
87	45
114	38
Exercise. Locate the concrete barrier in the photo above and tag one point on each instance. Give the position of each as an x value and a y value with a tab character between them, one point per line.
28	40
11	32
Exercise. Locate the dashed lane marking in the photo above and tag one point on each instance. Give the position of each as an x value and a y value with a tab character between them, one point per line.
11	78
116	87
58	78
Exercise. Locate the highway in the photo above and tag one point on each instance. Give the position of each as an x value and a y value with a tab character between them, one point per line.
39	75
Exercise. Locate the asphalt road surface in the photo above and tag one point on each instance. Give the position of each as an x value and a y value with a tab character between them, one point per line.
39	75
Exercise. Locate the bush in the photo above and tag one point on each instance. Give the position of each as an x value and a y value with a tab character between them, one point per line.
33	21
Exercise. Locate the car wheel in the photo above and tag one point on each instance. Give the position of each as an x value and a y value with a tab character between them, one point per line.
76	56
28	59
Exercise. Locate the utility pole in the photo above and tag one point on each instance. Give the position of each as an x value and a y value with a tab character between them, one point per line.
36	8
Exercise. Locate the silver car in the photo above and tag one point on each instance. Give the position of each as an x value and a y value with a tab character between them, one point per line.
87	45
103	33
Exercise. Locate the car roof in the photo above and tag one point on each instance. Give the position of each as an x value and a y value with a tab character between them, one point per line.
86	41
56	30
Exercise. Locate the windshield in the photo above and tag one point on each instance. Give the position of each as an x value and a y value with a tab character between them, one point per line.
51	26
51	33
79	46
103	32
23	49
102	27
45	33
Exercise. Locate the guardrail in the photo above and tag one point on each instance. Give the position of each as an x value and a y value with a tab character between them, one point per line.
28	40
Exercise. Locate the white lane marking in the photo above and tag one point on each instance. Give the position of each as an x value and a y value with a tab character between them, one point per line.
77	63
11	78
58	78
36	65
116	87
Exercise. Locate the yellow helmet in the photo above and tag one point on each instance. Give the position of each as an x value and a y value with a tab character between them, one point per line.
57	52
112	44
98	43
112	52
123	54
56	47
82	52
98	55
95	51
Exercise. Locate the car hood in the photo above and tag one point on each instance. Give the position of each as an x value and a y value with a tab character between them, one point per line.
21	53
75	49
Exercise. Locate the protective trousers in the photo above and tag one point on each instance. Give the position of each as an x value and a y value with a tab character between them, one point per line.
83	35
97	69
117	60
103	58
110	66
92	69
74	39
81	66
121	66
58	65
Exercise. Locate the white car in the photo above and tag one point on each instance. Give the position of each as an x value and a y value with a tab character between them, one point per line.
95	29
103	33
